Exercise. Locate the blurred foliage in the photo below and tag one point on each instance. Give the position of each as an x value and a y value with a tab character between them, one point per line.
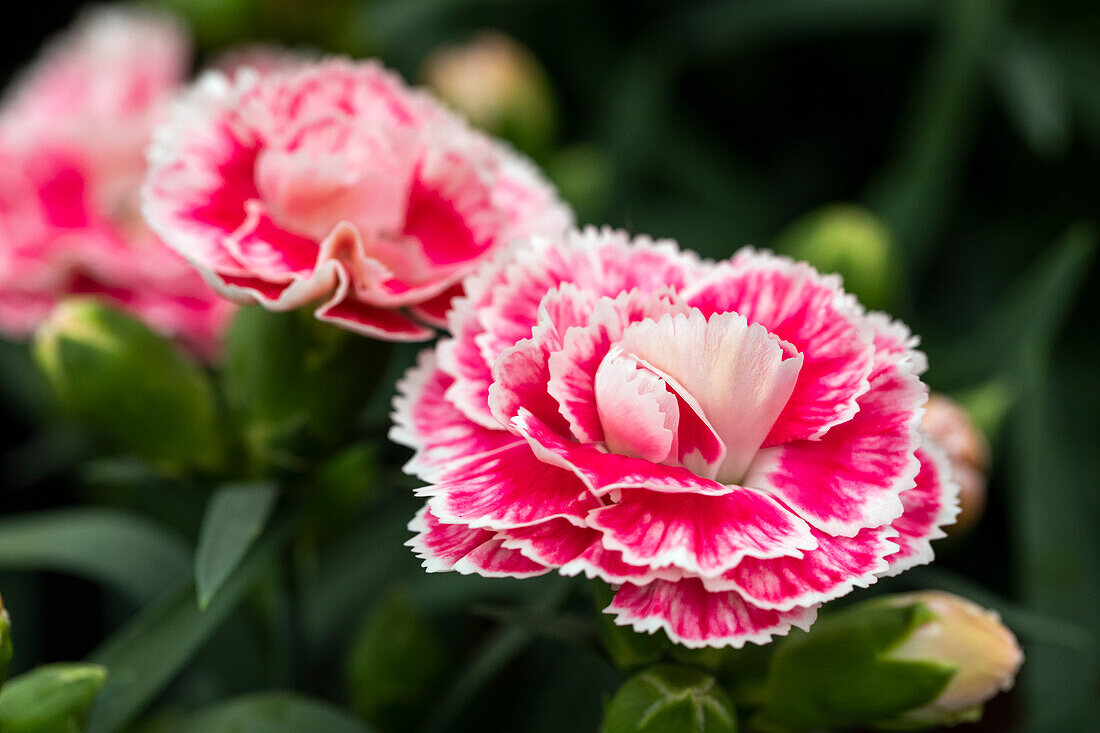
968	132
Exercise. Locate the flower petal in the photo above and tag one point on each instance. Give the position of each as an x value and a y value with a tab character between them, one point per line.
605	472
468	551
740	375
851	478
695	618
508	488
703	535
811	312
931	504
429	424
833	569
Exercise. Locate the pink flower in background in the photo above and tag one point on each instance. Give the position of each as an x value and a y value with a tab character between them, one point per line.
73	133
337	183
729	444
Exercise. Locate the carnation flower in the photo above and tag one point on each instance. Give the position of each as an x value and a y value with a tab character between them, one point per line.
336	182
729	444
73	131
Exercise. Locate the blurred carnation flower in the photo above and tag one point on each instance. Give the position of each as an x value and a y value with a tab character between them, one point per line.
730	444
73	133
336	181
947	423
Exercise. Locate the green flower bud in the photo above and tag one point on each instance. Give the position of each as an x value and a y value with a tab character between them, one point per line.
128	385
849	240
51	699
396	661
889	663
967	637
5	642
499	86
670	698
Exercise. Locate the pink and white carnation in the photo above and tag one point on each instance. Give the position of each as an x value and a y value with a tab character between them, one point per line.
73	133
335	182
729	444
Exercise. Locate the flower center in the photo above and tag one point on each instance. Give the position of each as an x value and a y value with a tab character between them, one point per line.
708	389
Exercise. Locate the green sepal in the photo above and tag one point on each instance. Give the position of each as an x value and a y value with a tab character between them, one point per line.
129	386
840	674
670	698
294	384
51	699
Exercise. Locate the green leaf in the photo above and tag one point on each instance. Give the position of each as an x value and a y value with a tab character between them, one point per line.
235	518
670	698
50	699
913	193
273	712
494	655
130	386
395	662
1020	330
145	655
1035	92
124	551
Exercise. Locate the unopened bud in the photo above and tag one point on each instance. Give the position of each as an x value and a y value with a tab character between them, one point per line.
851	241
950	427
50	699
670	698
499	86
969	638
896	662
131	387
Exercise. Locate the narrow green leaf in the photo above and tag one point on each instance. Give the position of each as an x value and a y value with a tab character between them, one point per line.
1034	91
235	518
1021	328
273	712
914	191
126	552
50	699
146	654
493	656
719	29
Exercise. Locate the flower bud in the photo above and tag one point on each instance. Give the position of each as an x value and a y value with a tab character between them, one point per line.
969	638
128	385
670	698
950	427
851	241
904	661
498	85
50	699
395	662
